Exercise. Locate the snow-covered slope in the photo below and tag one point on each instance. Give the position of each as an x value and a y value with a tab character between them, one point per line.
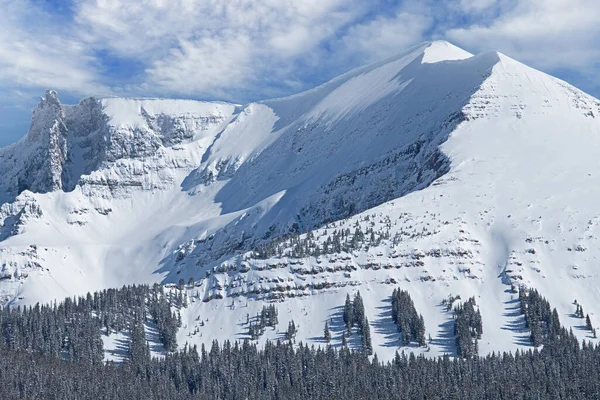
467	175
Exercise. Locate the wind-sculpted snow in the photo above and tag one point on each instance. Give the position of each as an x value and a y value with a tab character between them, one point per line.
435	171
342	157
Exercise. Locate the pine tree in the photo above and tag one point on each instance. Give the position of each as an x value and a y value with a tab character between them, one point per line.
291	331
466	329
421	331
326	333
251	331
139	352
358	311
540	319
366	338
348	313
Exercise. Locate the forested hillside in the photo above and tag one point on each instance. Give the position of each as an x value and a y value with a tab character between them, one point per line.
55	352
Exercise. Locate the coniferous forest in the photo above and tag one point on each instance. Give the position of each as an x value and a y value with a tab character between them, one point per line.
55	352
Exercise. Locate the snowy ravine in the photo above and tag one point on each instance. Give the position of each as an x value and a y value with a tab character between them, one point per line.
469	175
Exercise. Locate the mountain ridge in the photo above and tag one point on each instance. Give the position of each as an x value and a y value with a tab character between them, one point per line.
445	163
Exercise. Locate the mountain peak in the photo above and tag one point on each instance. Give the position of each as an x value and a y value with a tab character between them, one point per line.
441	50
427	170
51	97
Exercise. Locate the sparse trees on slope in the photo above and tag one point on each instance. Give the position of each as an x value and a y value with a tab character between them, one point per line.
291	331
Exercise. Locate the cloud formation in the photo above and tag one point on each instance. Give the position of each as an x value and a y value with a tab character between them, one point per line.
211	47
548	34
243	50
35	51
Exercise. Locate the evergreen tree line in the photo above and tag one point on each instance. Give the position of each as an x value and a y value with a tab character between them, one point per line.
467	329
410	324
561	369
540	319
167	322
72	329
354	316
54	352
338	241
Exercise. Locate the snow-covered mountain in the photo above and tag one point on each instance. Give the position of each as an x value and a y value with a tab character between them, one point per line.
435	171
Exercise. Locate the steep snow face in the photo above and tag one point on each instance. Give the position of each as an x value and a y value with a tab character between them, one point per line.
444	51
348	152
515	208
467	175
241	140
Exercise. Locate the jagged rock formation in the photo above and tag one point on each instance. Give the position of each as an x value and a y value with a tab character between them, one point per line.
123	139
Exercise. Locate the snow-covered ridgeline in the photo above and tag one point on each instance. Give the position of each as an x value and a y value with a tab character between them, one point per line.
476	173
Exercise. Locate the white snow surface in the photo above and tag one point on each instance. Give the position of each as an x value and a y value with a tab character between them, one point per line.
477	172
444	51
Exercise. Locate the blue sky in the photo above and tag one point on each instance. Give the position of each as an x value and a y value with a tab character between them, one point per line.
245	50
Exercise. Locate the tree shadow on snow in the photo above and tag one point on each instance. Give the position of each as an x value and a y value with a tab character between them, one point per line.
384	325
337	328
444	338
244	332
580	327
516	322
153	338
121	351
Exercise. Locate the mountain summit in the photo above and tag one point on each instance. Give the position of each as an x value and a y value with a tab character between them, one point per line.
440	171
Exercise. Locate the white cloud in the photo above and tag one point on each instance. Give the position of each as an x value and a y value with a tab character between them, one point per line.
212	47
385	36
476	6
208	65
548	34
257	48
31	57
241	50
